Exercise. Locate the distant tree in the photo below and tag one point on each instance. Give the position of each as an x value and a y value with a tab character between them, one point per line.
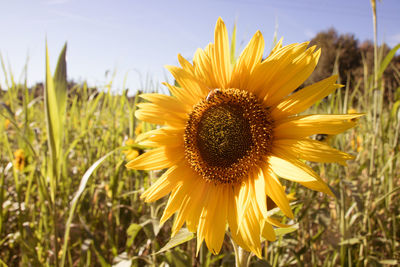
325	40
349	56
340	54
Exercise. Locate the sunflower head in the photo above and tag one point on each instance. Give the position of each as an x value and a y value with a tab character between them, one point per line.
229	132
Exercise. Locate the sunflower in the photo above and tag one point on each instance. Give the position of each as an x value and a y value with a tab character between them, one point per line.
229	132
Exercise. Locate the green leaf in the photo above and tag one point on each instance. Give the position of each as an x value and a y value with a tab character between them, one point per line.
395	108
53	126
389	262
55	97
376	202
178	258
61	85
350	241
51	109
387	60
181	237
74	201
132	232
287	230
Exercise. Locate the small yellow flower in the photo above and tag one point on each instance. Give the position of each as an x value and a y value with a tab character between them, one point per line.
356	140
131	153
19	159
356	143
6	124
352	111
139	129
130	142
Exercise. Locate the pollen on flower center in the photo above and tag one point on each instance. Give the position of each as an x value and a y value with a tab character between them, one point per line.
227	134
223	135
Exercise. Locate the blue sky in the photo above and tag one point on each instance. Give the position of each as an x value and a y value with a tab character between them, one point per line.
138	38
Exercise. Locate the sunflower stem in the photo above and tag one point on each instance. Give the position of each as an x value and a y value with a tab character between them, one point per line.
242	257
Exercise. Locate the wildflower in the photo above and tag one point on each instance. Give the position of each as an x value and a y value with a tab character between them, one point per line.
139	129
356	140
6	124
352	111
19	159
131	153
229	132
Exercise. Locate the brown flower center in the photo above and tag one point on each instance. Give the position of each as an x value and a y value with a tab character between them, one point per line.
227	134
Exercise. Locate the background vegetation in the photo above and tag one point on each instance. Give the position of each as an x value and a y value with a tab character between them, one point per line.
67	199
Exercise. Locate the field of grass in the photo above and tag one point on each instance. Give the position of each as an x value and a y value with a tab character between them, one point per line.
66	198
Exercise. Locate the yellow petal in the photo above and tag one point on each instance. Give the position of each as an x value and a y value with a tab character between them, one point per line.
295	73
215	220
277	46
275	66
245	237
203	69
181	190
182	95
277	223
312	150
304	98
289	171
243	200
252	54
185	64
201	229
155	114
184	210
250	229
174	202
221	56
158	158
195	206
258	188
194	89
276	192
232	208
163	185
163	137
250	57
294	170
268	231
158	132
167	102
304	126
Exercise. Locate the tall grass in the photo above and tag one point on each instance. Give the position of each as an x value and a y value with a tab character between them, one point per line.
73	203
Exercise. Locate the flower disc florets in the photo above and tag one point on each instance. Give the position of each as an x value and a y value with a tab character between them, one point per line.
227	134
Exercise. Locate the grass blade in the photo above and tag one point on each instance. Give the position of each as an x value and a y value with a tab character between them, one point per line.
74	202
387	60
